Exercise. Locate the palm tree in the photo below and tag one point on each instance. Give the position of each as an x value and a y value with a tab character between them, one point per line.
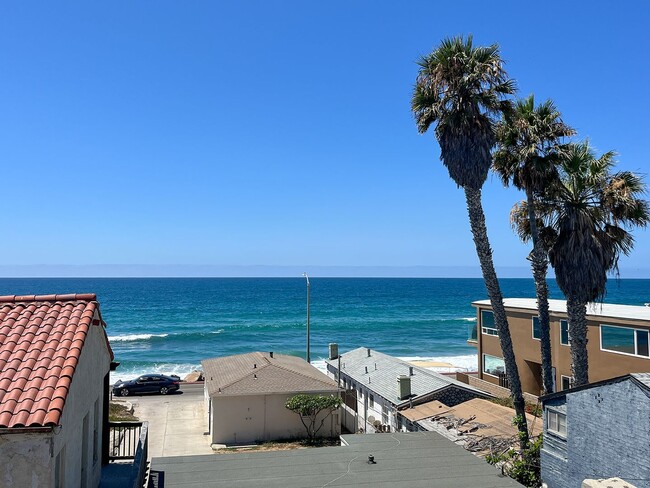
463	89
588	215
529	146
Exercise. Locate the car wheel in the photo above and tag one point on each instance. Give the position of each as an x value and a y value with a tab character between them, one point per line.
164	390
124	392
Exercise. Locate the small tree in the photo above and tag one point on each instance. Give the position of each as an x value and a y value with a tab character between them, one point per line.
309	407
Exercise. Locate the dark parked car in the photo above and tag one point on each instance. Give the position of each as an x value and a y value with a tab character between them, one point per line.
147	383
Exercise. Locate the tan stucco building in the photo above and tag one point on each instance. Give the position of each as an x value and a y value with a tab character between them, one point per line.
245	397
54	366
618	342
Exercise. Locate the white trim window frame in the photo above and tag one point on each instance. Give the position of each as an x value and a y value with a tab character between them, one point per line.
635	335
532	321
556	423
490	330
568	333
569	382
493	357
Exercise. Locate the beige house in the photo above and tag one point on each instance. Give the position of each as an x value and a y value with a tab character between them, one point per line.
245	397
54	366
618	342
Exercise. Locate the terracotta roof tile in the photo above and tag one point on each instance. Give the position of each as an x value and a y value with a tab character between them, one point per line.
41	337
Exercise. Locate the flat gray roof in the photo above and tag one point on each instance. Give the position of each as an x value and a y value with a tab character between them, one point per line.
378	372
610	310
413	460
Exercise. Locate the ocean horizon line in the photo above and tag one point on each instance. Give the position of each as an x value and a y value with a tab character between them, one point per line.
99	271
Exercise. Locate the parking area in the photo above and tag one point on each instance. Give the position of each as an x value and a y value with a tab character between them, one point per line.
177	422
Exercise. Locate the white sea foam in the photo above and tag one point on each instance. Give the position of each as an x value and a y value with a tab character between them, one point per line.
217	331
469	319
167	369
134	337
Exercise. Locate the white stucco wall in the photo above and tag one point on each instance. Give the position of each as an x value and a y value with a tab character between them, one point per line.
86	388
250	418
29	459
26	460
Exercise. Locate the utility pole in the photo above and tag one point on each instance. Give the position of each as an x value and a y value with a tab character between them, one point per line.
308	290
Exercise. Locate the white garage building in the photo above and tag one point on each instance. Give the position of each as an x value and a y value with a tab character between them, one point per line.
245	397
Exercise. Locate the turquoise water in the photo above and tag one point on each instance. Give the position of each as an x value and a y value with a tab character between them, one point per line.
169	325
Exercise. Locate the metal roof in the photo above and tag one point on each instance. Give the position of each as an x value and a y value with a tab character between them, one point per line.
378	372
610	310
403	460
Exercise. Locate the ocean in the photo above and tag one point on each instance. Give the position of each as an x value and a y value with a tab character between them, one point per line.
168	325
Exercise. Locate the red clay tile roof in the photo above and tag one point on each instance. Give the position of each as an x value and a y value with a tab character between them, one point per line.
41	338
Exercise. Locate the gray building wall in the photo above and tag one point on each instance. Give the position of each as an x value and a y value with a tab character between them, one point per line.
608	435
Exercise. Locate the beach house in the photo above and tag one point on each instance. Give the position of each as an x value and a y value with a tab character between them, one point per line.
378	385
596	431
618	338
54	367
245	397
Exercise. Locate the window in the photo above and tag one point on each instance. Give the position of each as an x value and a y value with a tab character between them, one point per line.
493	365
567	382
564	333
371	401
384	414
487	323
59	469
537	332
471	332
624	340
96	432
556	422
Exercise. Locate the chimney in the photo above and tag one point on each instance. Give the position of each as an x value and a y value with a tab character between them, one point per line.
334	350
368	352
410	370
403	387
271	354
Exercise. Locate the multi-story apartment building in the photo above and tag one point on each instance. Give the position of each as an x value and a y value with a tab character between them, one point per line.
618	339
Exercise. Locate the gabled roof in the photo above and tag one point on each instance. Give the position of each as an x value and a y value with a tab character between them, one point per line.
378	372
601	310
258	373
41	338
642	380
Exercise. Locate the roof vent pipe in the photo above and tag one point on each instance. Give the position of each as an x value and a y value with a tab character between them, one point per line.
375	366
271	354
368	352
410	370
254	365
366	369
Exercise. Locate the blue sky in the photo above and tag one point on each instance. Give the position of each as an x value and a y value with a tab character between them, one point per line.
279	133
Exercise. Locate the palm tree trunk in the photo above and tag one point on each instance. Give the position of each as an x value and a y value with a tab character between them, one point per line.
484	253
577	313
539	264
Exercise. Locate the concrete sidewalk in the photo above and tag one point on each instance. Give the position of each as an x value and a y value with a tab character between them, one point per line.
177	423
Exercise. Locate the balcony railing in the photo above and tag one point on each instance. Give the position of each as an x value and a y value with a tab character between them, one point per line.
128	441
123	440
